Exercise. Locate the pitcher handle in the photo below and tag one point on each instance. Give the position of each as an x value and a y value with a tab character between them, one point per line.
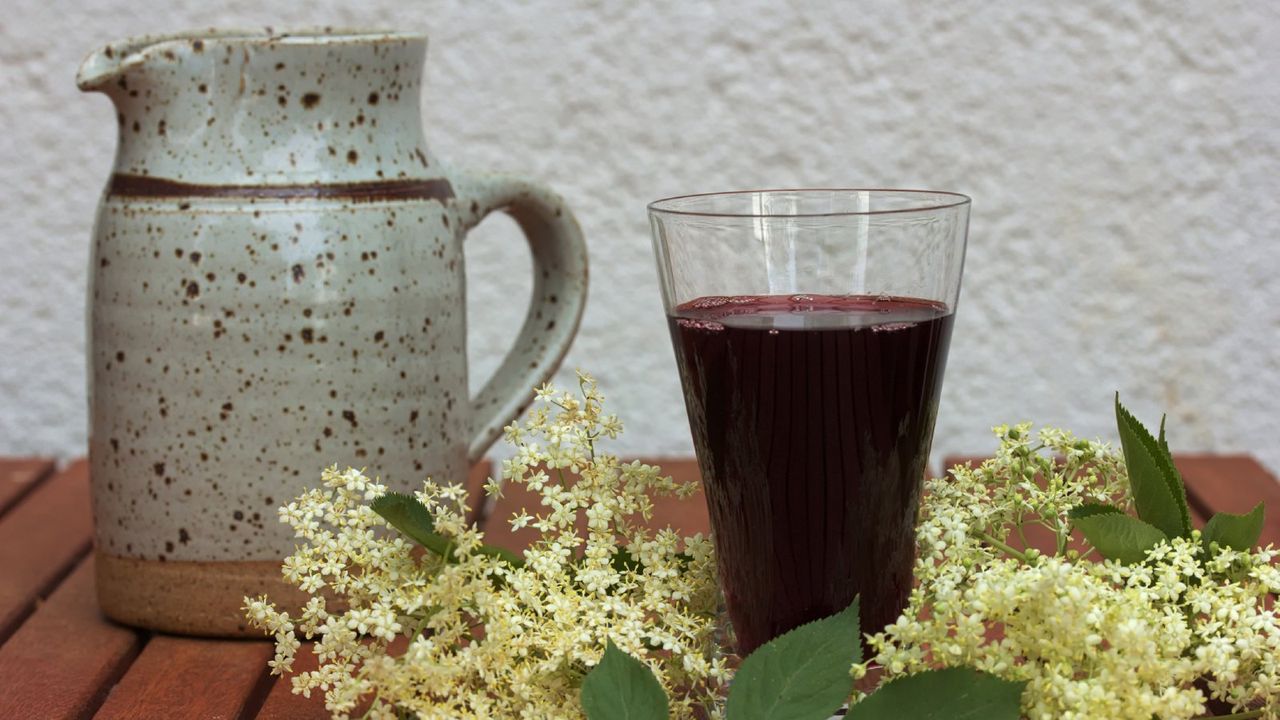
559	296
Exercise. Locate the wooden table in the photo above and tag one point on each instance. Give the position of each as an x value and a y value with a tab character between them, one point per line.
60	659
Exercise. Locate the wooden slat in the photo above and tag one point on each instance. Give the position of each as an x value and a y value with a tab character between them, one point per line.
62	661
282	704
19	476
687	516
40	541
476	479
191	678
1232	483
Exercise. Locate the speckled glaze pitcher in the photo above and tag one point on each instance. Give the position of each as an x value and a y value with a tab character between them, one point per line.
277	285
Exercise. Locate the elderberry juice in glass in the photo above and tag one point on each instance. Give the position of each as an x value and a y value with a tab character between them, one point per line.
811	331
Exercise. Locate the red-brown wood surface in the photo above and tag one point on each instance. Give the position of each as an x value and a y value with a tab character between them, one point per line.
65	660
476	479
190	678
40	540
282	704
65	657
18	476
1232	483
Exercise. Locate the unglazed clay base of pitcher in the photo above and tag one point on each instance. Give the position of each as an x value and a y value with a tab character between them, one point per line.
277	286
190	598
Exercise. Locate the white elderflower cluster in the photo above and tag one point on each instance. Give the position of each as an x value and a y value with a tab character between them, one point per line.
479	637
1159	639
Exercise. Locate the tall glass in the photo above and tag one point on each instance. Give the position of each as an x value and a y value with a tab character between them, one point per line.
811	330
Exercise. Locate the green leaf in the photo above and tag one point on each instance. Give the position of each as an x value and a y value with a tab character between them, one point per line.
407	514
621	687
1091	509
947	694
802	675
1238	532
1157	487
624	561
1118	536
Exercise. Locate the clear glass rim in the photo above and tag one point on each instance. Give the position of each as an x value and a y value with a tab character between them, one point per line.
940	200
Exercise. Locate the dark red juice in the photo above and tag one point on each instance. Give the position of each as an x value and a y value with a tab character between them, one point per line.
812	417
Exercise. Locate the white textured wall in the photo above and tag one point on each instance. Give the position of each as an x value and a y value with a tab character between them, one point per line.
1123	158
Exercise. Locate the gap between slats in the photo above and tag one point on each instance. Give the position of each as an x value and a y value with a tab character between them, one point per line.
64	659
19	477
188	677
41	540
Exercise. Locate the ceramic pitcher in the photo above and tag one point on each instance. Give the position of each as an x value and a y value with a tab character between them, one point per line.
277	285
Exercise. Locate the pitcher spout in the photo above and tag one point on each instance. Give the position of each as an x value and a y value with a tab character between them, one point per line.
105	65
273	106
112	61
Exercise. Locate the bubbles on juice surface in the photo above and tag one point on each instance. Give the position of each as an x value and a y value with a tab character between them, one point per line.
706	325
891	327
706	303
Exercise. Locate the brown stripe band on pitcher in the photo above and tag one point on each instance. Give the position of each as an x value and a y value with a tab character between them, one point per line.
141	186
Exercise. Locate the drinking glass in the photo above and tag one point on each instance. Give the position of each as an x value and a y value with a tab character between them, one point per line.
811	330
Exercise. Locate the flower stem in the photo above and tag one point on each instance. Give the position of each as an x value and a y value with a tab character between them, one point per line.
1006	549
1234	716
